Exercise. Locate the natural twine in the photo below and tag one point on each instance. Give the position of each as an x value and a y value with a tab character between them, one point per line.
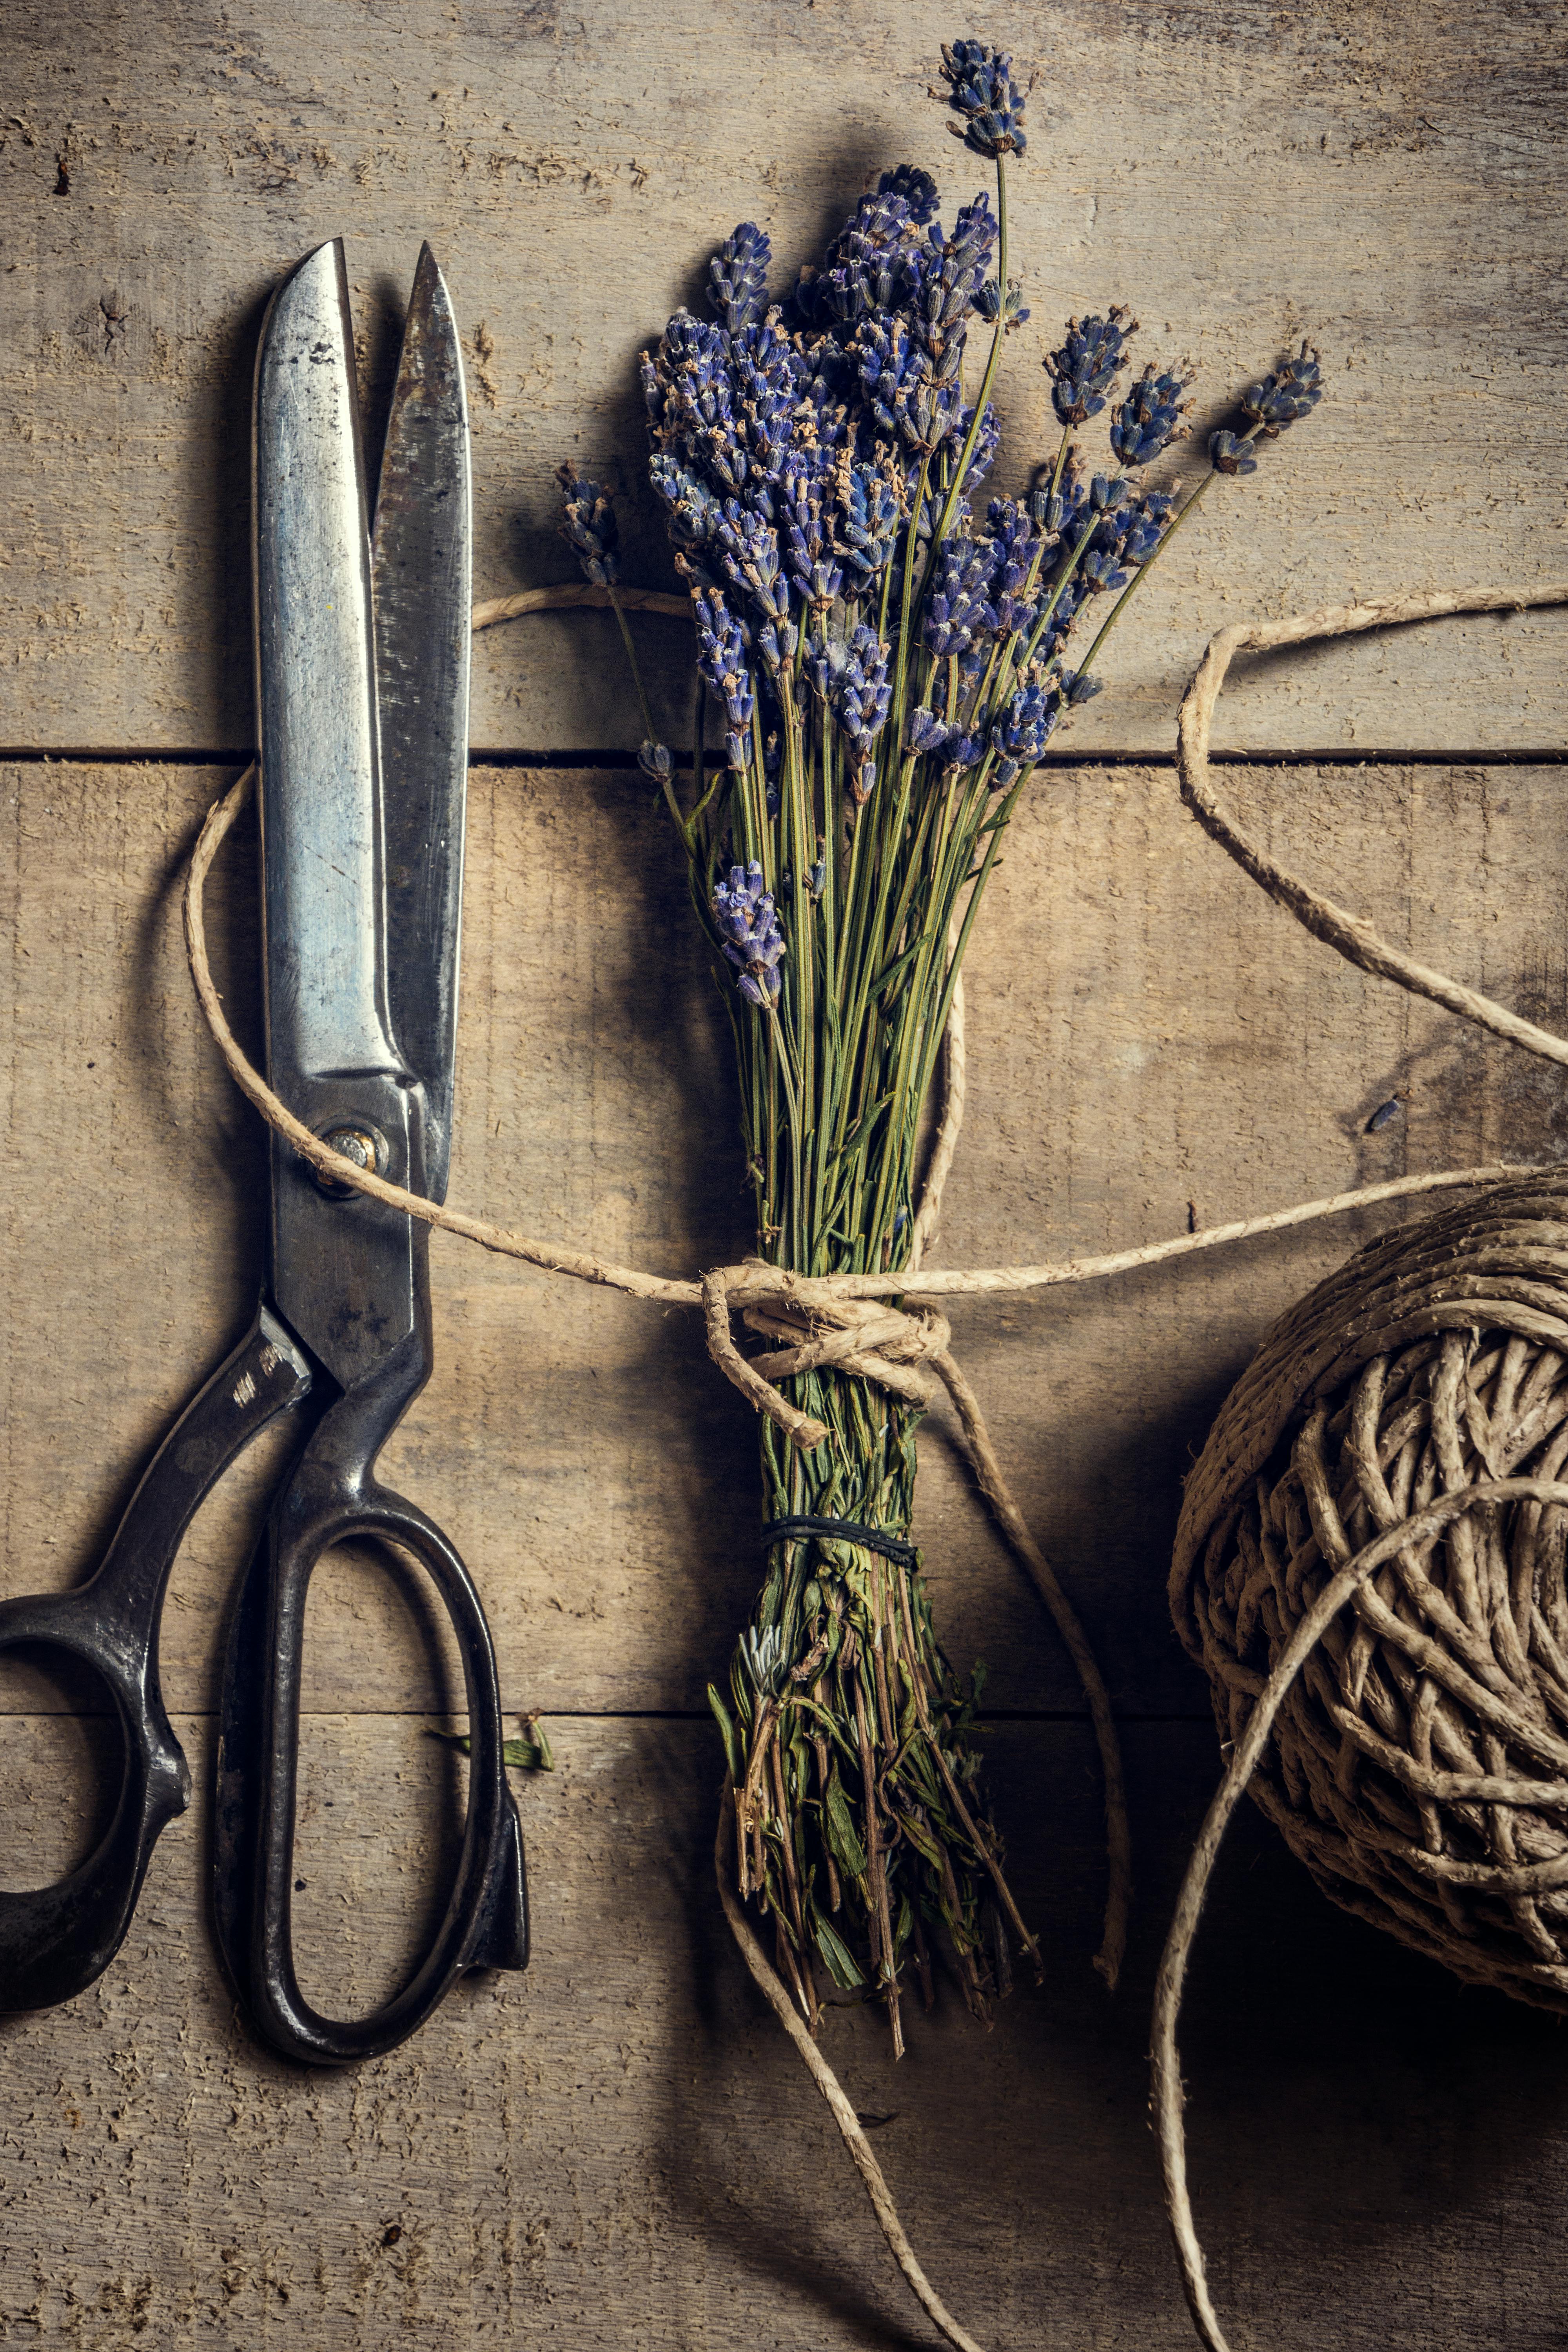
1395	1450
831	1318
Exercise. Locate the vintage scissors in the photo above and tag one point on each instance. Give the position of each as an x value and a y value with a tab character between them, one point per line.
361	649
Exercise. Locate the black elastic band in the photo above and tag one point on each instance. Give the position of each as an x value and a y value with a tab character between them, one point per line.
903	1555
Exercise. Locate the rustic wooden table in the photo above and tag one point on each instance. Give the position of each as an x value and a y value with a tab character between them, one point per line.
618	2149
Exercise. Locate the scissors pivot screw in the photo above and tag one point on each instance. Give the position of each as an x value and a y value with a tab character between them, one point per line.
363	1146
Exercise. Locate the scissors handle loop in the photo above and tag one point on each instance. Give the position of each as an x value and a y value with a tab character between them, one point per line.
55	1940
332	1497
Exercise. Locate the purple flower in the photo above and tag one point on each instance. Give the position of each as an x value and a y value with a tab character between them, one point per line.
924	731
1019	734
589	525
749	550
1280	400
1012	533
1083	371
738	277
1228	454
981	89
815	576
747	927
1150	418
866	525
861	694
914	188
958	609
721	658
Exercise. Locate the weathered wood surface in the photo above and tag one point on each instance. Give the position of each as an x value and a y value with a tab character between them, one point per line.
1383	180
618	2151
1140	1055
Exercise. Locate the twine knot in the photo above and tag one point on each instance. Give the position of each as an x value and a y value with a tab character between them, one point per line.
865	1336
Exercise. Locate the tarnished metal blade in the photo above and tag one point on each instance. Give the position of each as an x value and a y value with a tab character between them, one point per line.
320	798
422	564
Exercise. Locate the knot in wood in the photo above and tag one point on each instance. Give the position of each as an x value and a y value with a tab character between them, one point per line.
1372	1548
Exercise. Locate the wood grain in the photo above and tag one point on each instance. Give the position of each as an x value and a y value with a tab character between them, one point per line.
618	2149
1139	1058
1384	181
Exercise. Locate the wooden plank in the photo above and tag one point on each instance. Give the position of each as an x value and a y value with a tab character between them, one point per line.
1149	1040
1383	181
619	2149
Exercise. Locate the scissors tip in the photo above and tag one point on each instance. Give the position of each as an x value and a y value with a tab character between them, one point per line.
429	292
322	261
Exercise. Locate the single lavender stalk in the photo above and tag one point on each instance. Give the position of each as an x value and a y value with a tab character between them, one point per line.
888	665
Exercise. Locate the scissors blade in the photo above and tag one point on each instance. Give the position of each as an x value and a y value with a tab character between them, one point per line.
320	788
422	566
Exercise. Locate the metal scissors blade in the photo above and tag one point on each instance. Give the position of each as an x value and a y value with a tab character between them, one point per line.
315	693
422	567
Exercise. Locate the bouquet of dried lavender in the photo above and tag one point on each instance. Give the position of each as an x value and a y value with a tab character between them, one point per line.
891	658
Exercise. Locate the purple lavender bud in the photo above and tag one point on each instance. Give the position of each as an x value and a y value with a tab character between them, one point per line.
1083	371
1074	687
1228	454
1150	418
992	304
1100	569
914	188
721	659
1147	526
656	761
589	525
966	256
865	526
860	691
958	609
749	550
776	641
738	276
987	441
745	916
924	731
767	376
1011	531
691	509
981	88
1055	512
1280	400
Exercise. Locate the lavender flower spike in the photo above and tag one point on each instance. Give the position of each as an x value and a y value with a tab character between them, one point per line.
753	942
589	526
1150	418
1084	369
1280	400
738	277
981	88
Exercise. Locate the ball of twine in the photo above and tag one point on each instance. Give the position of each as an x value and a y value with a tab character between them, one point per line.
1408	1420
